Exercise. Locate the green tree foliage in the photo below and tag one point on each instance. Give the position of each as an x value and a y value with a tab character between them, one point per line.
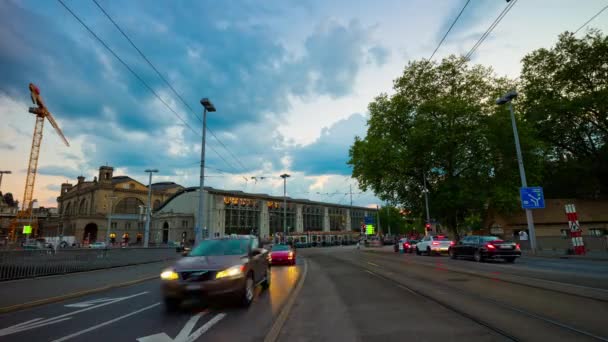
443	122
390	216
566	101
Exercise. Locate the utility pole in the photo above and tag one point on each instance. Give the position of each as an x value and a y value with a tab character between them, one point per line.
285	176
378	218
351	208
426	203
27	236
149	209
109	220
2	173
207	107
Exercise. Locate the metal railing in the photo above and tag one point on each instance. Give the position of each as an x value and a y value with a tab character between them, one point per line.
17	264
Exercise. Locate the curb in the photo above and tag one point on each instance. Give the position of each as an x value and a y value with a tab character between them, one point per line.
278	324
44	301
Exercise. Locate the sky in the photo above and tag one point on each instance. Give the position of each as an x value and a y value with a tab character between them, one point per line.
291	81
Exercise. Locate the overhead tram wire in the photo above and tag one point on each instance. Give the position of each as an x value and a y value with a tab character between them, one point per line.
449	29
167	82
490	28
591	19
138	77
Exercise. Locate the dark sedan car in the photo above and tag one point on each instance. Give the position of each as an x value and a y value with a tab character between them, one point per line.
481	248
223	266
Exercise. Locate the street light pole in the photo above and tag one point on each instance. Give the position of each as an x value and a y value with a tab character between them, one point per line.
109	220
2	173
426	203
285	176
207	107
508	98
149	209
27	236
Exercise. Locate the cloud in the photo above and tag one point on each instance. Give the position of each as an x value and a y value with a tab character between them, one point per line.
6	146
53	187
379	55
329	153
58	170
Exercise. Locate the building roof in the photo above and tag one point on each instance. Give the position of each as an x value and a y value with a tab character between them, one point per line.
165	185
238	193
121	179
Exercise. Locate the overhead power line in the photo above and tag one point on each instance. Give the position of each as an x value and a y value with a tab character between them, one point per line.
102	42
591	19
167	82
450	29
491	28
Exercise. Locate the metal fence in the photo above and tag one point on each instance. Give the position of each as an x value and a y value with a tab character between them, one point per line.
35	263
561	244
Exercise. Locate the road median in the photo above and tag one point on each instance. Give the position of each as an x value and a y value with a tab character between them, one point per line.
27	293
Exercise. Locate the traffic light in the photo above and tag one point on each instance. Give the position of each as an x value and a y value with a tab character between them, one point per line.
427	227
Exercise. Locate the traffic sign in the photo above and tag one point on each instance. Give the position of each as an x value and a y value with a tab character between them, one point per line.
369	220
532	197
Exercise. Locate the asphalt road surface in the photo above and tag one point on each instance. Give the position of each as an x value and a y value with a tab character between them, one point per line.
135	313
357	295
352	295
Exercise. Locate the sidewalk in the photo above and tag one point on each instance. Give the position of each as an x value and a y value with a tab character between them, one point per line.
25	293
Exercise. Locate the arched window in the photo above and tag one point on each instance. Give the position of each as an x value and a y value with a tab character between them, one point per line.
82	210
129	205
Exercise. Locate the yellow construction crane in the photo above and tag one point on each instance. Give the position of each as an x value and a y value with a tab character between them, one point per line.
41	112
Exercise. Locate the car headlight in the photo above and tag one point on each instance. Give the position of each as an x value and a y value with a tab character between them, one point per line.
169	275
231	272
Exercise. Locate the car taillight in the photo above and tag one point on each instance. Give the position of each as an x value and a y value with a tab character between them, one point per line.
435	243
490	246
290	255
452	243
407	245
517	246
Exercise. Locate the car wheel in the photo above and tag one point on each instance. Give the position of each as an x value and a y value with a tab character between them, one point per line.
428	251
247	294
452	253
266	282
171	304
417	251
510	260
477	256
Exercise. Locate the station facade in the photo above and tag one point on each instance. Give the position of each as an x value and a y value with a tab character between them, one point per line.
236	212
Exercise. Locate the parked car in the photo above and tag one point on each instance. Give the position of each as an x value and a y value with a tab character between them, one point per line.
480	248
433	244
281	254
231	266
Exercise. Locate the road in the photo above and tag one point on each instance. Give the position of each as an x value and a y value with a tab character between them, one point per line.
371	295
352	295
135	312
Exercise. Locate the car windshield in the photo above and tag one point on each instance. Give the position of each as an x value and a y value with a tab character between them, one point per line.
276	248
490	238
221	247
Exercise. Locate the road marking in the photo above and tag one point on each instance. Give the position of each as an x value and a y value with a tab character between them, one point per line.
78	333
273	334
89	303
39	322
186	334
371	263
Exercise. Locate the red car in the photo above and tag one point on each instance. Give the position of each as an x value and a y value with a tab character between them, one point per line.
282	255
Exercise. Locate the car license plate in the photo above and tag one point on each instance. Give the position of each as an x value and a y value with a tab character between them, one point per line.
506	247
193	287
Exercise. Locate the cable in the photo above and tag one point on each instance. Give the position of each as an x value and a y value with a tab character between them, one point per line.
139	78
450	29
167	82
588	21
490	29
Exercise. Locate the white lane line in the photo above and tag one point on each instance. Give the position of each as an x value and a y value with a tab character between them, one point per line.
371	263
65	338
204	328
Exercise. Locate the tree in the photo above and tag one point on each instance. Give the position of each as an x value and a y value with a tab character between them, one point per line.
442	124
391	217
566	101
8	199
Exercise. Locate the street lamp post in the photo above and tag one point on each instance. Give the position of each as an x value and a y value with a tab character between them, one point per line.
426	203
508	98
285	176
2	173
27	236
207	107
109	220
149	209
